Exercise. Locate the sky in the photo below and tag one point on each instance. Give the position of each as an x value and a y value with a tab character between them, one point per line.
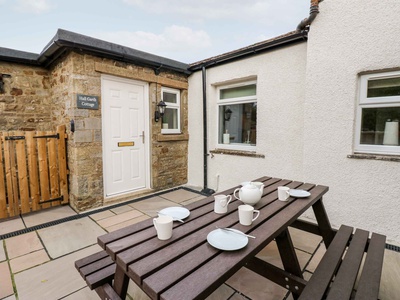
184	30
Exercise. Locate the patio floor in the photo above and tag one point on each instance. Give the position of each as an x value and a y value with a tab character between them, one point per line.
39	264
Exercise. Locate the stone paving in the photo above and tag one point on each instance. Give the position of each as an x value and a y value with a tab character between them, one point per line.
39	264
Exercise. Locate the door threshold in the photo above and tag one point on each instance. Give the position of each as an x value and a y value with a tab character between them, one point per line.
127	196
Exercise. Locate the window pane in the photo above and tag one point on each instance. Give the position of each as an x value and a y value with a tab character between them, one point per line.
171	118
240	91
384	87
241	125
380	126
169	97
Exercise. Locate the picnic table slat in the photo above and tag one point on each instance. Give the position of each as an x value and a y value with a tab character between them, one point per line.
319	282
368	286
345	278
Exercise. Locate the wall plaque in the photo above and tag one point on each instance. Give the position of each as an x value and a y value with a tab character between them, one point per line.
87	101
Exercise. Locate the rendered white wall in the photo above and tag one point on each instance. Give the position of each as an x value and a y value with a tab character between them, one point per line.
346	38
280	97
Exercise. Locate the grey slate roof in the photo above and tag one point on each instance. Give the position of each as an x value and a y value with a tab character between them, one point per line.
66	39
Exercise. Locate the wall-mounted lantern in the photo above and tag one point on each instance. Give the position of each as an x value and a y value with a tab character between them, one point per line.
228	113
160	110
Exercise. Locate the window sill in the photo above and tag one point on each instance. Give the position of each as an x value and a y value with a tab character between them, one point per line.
237	153
172	137
375	157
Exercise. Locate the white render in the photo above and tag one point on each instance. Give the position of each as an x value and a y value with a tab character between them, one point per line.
306	110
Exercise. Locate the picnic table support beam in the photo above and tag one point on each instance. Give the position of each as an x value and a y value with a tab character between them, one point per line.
288	254
292	282
121	282
323	222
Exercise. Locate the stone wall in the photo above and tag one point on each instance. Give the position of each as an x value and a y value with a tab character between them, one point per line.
26	103
40	99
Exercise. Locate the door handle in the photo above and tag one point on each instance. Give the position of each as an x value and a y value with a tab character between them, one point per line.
142	135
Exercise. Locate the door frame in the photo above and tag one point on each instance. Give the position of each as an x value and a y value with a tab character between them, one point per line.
146	126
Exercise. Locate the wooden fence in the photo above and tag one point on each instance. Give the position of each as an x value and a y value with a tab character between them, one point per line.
33	171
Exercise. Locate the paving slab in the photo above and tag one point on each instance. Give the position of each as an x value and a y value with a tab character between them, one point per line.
83	294
48	215
70	236
121	209
28	261
179	195
53	280
126	223
117	219
303	240
255	286
151	205
102	215
23	244
2	252
11	225
390	287
6	287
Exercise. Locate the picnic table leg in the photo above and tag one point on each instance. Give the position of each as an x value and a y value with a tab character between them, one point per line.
288	255
121	282
323	222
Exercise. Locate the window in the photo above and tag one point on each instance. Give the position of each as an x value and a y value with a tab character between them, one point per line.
378	114
237	116
171	120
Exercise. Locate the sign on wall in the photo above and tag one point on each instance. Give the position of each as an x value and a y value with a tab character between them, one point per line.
87	101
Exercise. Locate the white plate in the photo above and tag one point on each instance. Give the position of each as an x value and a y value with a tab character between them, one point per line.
176	212
299	193
227	240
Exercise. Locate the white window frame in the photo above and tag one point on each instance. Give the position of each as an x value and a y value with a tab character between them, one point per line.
232	101
176	106
374	102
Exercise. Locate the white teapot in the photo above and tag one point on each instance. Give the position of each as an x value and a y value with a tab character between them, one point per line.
250	193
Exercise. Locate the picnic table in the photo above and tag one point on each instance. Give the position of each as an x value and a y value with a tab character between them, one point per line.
188	267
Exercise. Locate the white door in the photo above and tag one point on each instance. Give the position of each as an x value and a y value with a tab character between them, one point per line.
125	154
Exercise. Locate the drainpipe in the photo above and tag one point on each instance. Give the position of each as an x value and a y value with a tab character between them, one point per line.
314	10
205	190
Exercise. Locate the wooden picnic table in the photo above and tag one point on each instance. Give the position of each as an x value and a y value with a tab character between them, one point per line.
188	267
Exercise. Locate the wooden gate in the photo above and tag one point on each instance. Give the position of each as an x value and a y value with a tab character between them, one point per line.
33	171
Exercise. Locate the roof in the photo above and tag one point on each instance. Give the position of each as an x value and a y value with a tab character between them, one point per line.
64	40
279	41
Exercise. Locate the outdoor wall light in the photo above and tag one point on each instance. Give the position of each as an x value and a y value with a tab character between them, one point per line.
160	110
228	114
2	82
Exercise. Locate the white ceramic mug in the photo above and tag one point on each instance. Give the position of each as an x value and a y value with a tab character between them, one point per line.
163	225
246	213
283	193
221	203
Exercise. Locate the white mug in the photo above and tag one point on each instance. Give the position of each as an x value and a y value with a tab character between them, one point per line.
283	193
221	203
163	225
246	213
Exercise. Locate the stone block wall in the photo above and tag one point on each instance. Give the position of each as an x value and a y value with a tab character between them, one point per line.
26	102
40	99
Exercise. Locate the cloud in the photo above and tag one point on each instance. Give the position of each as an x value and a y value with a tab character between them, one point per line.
172	42
34	6
259	11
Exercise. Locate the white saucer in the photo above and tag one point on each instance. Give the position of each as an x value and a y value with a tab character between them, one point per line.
176	212
225	240
299	193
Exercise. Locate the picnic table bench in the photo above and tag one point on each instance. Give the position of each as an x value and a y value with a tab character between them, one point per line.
187	267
